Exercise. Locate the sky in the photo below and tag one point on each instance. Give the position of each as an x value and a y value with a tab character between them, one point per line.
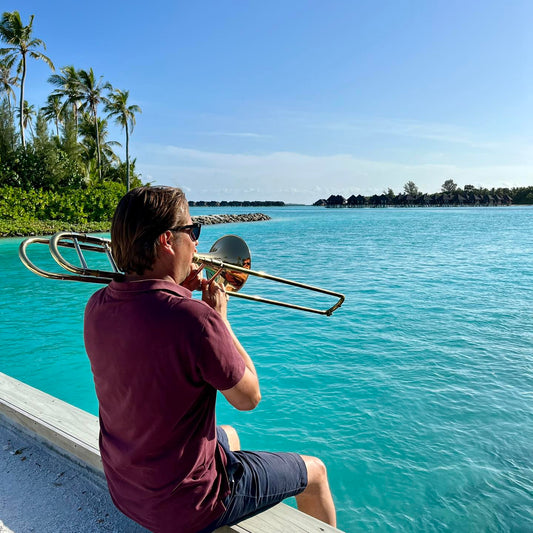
296	100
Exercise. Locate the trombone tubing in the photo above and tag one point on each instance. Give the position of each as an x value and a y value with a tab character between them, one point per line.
79	274
198	258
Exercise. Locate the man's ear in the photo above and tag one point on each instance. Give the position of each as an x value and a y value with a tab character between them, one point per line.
165	241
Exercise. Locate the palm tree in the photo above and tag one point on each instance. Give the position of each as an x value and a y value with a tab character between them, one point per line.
20	42
94	138
7	81
117	107
91	91
27	118
68	89
53	110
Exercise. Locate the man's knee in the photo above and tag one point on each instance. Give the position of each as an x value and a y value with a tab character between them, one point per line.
233	437
316	499
317	475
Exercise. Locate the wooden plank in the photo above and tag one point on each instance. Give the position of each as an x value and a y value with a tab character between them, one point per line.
74	433
280	519
61	425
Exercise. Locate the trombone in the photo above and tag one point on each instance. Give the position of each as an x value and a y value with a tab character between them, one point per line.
228	261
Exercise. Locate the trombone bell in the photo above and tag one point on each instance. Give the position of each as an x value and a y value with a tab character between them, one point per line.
228	250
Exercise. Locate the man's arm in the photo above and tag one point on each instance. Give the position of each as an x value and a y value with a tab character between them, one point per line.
245	395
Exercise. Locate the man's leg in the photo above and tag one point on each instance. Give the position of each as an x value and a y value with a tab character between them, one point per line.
273	477
316	499
233	437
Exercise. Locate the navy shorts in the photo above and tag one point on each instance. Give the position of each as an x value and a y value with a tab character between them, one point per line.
258	480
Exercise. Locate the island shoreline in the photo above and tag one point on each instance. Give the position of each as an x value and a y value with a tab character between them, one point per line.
48	227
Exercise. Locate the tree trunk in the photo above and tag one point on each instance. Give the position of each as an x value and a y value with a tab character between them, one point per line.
97	145
75	109
21	105
127	160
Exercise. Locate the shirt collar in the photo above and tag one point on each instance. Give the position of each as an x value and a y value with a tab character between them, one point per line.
147	285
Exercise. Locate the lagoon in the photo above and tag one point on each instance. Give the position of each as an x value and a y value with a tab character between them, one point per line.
416	393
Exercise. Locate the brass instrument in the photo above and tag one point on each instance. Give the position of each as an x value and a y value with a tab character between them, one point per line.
228	261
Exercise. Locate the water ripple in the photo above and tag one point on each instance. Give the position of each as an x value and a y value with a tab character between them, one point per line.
417	393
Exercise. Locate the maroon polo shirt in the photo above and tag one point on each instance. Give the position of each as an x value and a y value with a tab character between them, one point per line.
158	357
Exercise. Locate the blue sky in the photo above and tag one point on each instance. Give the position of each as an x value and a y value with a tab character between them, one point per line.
296	100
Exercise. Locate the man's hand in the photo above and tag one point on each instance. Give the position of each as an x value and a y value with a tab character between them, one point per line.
193	281
214	295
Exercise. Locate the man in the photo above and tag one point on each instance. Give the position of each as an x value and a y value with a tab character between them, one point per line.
158	358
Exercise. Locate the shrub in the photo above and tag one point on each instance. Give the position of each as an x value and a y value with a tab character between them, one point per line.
94	204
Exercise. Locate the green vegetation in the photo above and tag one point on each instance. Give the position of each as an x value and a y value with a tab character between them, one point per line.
522	195
20	43
451	195
57	165
22	228
37	211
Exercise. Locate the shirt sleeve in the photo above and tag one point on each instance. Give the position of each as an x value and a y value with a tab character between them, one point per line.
219	362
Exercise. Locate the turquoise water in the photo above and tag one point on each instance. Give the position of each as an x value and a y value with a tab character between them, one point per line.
417	393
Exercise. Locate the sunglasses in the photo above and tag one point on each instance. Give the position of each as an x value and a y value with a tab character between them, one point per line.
192	229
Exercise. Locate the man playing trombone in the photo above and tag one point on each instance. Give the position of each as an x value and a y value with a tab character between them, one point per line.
158	357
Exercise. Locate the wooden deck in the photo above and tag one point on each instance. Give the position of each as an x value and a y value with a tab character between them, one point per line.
73	433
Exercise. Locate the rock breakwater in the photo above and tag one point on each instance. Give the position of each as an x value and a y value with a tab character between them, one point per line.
208	220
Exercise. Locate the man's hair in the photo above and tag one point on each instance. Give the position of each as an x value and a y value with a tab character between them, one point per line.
140	217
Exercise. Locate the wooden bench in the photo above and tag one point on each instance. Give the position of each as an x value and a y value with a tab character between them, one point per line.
73	433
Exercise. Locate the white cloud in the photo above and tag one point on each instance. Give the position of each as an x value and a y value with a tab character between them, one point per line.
300	178
448	133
